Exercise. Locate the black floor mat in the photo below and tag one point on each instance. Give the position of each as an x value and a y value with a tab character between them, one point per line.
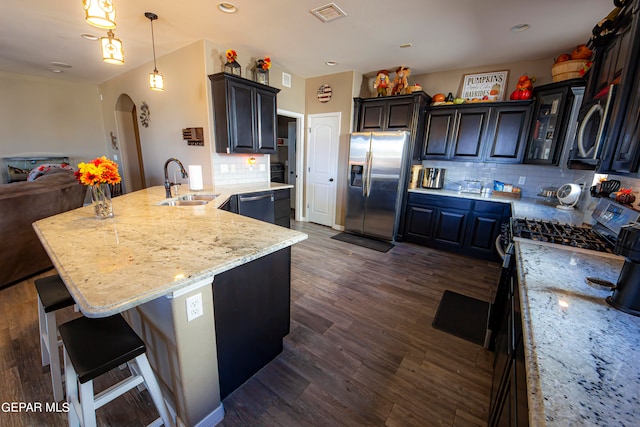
376	245
462	316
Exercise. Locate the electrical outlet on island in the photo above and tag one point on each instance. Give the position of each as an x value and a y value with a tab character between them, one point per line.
194	306
522	180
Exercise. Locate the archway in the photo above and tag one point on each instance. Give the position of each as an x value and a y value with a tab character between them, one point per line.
129	137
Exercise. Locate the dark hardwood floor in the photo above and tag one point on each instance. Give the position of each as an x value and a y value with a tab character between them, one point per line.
361	350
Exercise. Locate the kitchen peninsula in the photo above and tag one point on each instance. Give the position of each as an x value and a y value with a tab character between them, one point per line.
149	259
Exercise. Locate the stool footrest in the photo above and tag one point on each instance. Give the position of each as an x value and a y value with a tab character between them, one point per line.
117	390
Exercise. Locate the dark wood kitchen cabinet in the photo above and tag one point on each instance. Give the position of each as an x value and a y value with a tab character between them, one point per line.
272	206
455	133
617	63
392	113
508	132
550	122
457	224
252	316
493	132
245	115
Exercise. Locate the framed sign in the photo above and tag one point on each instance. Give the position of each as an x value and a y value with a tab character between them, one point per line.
489	86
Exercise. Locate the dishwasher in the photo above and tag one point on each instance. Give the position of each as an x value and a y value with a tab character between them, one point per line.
257	205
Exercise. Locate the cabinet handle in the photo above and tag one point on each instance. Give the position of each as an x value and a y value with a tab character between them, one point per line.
330	179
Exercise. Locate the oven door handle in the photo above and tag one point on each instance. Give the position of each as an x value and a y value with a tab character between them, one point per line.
499	248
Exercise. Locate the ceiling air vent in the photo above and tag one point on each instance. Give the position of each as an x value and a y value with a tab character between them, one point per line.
328	12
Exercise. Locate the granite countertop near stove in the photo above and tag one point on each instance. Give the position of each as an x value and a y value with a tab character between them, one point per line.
147	250
582	355
526	207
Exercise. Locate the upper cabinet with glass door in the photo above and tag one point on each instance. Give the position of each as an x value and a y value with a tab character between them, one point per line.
550	124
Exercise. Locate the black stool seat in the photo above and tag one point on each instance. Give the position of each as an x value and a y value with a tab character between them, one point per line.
95	346
53	293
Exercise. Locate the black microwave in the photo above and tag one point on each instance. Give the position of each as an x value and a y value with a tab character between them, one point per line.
592	128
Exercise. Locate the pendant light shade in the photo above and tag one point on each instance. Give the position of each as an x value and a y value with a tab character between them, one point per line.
112	51
100	13
156	81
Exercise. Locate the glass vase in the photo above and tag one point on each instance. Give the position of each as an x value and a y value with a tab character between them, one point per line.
101	201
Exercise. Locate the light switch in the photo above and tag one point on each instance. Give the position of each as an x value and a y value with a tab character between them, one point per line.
224	168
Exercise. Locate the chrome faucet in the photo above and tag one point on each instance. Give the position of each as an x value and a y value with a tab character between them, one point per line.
167	183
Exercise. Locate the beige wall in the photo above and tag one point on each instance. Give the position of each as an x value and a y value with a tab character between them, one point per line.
49	117
343	86
182	104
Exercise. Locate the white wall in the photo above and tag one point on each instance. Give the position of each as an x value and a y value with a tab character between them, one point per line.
49	117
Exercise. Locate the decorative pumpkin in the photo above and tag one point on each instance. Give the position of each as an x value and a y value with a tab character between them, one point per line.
625	196
581	52
524	89
438	97
562	58
521	95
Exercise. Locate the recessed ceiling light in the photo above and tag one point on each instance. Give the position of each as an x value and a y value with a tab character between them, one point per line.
60	64
56	70
519	28
90	37
404	45
331	63
227	7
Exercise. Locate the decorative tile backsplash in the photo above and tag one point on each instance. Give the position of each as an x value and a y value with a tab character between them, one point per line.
236	169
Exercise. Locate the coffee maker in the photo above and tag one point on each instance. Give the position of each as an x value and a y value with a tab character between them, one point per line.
626	295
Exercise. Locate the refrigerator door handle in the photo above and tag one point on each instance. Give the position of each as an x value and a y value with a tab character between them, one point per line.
369	162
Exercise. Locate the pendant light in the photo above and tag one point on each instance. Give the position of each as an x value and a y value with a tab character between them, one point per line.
156	81
100	13
112	51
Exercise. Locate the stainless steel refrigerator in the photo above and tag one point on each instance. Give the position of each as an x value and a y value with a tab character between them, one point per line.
377	168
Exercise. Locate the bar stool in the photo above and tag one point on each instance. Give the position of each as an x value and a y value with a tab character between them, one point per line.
52	296
93	347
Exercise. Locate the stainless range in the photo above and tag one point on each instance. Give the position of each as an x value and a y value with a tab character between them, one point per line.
608	215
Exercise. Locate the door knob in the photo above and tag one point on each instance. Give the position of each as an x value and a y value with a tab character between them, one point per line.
330	179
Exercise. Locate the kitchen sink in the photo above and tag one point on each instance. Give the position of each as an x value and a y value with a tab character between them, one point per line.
189	200
181	202
205	197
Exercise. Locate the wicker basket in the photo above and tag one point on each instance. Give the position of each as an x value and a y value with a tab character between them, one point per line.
568	69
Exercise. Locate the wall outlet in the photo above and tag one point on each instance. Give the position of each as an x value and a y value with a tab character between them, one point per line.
522	180
194	306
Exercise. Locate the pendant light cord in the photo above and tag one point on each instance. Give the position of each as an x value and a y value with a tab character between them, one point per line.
152	17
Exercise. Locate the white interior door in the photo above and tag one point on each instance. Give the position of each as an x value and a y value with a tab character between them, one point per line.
291	160
322	167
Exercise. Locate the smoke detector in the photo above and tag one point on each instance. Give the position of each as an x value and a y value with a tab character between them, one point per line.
328	12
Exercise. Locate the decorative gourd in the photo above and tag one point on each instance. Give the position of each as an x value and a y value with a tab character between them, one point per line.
625	196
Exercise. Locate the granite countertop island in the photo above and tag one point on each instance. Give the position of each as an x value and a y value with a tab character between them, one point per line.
150	260
148	250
